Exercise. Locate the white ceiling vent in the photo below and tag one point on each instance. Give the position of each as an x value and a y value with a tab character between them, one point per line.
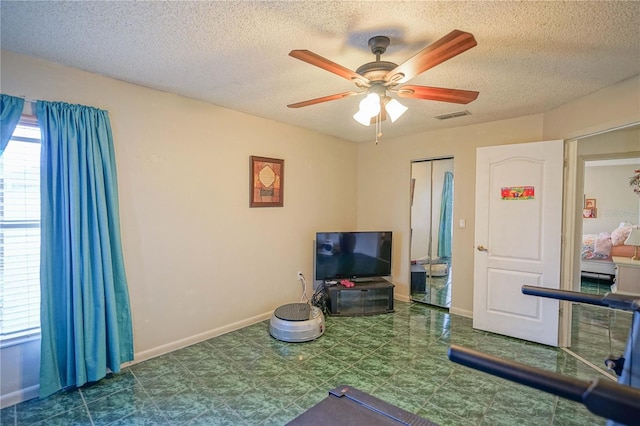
452	115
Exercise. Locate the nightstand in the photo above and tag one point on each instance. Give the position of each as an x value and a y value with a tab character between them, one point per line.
627	275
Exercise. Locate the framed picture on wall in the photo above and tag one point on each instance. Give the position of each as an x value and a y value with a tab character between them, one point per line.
589	213
590	203
266	182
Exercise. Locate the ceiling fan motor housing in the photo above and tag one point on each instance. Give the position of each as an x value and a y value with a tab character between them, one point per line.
379	44
375	71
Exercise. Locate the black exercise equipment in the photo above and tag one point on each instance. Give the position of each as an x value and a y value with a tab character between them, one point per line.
619	402
348	406
602	397
628	366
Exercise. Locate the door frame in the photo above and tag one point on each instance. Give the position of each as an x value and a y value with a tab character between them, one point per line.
572	226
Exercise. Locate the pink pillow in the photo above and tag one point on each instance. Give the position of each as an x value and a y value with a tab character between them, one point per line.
619	235
602	245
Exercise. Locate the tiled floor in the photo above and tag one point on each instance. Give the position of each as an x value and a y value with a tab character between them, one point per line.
248	378
598	332
437	290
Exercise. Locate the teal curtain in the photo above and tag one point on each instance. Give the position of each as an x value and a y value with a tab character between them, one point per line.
85	312
10	111
445	230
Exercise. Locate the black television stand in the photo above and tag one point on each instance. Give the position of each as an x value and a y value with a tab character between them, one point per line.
367	280
371	297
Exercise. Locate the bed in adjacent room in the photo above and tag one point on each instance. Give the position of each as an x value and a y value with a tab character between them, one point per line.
598	250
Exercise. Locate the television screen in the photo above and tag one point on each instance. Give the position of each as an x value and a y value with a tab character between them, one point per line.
342	255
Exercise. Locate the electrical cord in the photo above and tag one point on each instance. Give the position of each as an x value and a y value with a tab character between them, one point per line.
303	298
320	297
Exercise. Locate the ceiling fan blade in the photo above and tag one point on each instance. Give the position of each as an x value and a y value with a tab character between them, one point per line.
436	53
438	94
324	63
323	99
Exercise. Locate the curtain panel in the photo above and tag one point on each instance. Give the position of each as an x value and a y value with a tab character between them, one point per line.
446	217
10	111
85	311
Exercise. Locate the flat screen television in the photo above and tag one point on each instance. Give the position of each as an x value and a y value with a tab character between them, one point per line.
352	255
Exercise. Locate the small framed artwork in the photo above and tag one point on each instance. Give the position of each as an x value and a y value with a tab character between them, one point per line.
589	213
517	192
266	182
590	203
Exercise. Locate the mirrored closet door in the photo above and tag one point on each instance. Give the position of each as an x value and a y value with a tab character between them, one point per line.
431	231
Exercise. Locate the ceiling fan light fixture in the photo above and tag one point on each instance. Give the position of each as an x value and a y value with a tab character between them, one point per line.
395	109
370	105
362	118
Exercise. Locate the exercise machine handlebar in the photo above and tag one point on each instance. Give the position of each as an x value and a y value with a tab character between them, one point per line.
625	302
608	399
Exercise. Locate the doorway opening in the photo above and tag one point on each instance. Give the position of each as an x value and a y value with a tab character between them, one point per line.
606	210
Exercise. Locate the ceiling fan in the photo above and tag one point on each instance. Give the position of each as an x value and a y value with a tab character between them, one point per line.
379	77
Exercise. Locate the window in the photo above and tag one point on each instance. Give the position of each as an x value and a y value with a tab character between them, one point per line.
20	232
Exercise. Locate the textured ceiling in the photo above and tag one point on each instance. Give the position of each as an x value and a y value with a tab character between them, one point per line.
531	56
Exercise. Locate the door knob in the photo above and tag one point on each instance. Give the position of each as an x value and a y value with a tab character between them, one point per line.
482	248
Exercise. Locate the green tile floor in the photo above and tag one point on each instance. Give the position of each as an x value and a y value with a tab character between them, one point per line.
248	378
597	331
437	291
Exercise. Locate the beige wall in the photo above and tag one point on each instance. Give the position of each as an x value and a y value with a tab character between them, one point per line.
199	261
384	172
608	108
621	143
615	201
619	204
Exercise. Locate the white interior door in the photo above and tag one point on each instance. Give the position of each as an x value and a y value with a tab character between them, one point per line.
518	227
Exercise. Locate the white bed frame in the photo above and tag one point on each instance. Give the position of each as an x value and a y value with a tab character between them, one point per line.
596	268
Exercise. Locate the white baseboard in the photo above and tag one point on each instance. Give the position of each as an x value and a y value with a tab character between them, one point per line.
192	340
461	312
19	396
402	298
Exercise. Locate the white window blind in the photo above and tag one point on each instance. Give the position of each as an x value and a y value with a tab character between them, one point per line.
20	232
